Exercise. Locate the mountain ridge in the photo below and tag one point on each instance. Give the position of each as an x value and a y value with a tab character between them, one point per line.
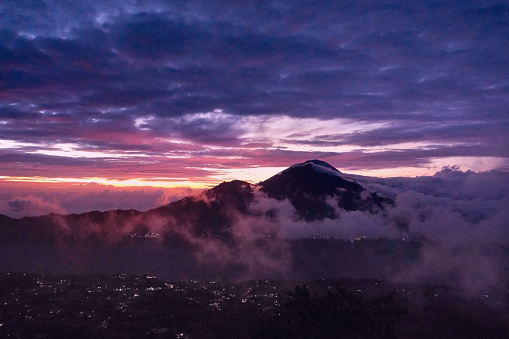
308	186
331	180
235	229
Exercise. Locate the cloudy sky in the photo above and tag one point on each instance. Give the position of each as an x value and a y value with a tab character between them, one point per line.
192	93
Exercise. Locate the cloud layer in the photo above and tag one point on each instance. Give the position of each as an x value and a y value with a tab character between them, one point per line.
450	228
17	201
455	232
133	90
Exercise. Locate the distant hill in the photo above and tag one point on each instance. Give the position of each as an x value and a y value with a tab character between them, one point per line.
315	189
233	230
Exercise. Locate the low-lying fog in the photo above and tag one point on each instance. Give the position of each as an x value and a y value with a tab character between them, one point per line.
450	228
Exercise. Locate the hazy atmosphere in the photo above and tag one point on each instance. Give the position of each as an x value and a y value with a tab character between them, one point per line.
169	168
188	94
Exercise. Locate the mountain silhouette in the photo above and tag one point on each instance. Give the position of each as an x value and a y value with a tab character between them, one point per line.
315	189
231	230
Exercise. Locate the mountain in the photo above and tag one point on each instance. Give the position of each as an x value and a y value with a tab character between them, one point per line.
316	190
235	229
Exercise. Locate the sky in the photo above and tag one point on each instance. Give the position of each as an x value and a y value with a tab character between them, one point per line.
192	93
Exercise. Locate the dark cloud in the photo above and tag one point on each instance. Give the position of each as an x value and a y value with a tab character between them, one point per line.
478	132
83	73
29	205
153	36
18	205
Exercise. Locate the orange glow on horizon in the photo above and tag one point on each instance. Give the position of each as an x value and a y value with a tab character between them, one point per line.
139	182
257	174
251	175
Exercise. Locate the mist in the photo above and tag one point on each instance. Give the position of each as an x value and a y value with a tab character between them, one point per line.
451	228
458	221
17	200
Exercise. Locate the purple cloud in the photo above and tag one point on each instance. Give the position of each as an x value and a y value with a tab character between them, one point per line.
85	73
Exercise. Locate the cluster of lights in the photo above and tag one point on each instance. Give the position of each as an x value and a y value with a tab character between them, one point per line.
145	235
328	237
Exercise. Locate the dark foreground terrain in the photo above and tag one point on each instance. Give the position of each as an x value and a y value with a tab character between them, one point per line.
128	306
